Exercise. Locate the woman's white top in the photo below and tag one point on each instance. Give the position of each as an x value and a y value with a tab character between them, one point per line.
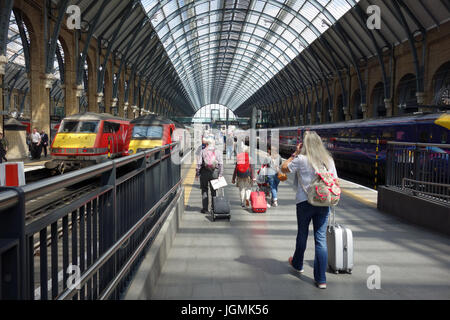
305	175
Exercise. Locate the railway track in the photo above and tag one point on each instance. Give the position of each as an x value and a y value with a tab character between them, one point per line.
35	208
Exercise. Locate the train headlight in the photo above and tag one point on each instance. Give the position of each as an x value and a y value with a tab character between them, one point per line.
130	152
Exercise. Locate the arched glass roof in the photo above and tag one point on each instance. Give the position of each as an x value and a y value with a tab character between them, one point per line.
216	111
225	50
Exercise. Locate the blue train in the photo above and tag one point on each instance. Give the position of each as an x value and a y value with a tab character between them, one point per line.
353	144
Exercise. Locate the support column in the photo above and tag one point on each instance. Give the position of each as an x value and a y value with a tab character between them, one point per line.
108	87
92	85
313	107
420	101
348	116
121	94
99	102
388	106
39	94
364	110
71	101
3	61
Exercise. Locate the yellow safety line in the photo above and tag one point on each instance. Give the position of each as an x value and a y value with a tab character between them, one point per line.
189	182
359	198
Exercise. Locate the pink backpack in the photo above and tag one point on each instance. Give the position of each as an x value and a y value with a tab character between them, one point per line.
324	190
209	158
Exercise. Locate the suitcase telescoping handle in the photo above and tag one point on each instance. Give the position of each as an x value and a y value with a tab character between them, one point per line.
332	217
255	188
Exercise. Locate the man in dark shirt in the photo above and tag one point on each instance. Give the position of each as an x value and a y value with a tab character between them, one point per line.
44	142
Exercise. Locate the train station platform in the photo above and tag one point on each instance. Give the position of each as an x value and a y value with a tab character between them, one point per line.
246	258
32	165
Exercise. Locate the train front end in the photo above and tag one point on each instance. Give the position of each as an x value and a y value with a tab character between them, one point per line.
150	132
76	144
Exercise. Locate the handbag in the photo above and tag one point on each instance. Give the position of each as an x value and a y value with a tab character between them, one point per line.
282	176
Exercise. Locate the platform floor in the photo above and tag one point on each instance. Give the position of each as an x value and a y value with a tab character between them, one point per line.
32	165
247	257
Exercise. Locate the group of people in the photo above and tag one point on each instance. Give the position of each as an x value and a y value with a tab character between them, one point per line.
210	167
267	175
37	142
309	155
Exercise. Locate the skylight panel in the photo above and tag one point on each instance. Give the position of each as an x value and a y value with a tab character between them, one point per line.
254	43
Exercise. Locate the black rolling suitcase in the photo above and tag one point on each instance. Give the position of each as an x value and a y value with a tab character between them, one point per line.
220	206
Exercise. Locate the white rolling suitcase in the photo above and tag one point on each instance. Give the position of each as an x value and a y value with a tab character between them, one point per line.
340	246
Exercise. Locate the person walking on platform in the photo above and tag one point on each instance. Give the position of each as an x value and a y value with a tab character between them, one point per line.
44	142
209	167
243	176
305	162
35	145
235	146
3	148
273	166
229	146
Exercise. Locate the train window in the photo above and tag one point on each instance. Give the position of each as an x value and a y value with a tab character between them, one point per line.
400	135
424	137
110	127
68	127
88	127
115	127
444	137
149	132
388	134
356	136
107	128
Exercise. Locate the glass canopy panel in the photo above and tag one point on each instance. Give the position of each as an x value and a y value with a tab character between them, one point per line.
235	47
14	49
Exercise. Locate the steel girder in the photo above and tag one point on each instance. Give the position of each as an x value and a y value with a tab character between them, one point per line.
101	73
24	38
418	68
123	63
5	16
82	57
51	45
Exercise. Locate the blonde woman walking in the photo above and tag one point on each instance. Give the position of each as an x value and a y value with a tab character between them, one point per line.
305	162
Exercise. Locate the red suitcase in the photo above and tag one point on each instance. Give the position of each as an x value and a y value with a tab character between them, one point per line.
258	201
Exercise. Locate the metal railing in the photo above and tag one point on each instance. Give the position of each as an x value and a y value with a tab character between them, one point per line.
88	248
420	169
